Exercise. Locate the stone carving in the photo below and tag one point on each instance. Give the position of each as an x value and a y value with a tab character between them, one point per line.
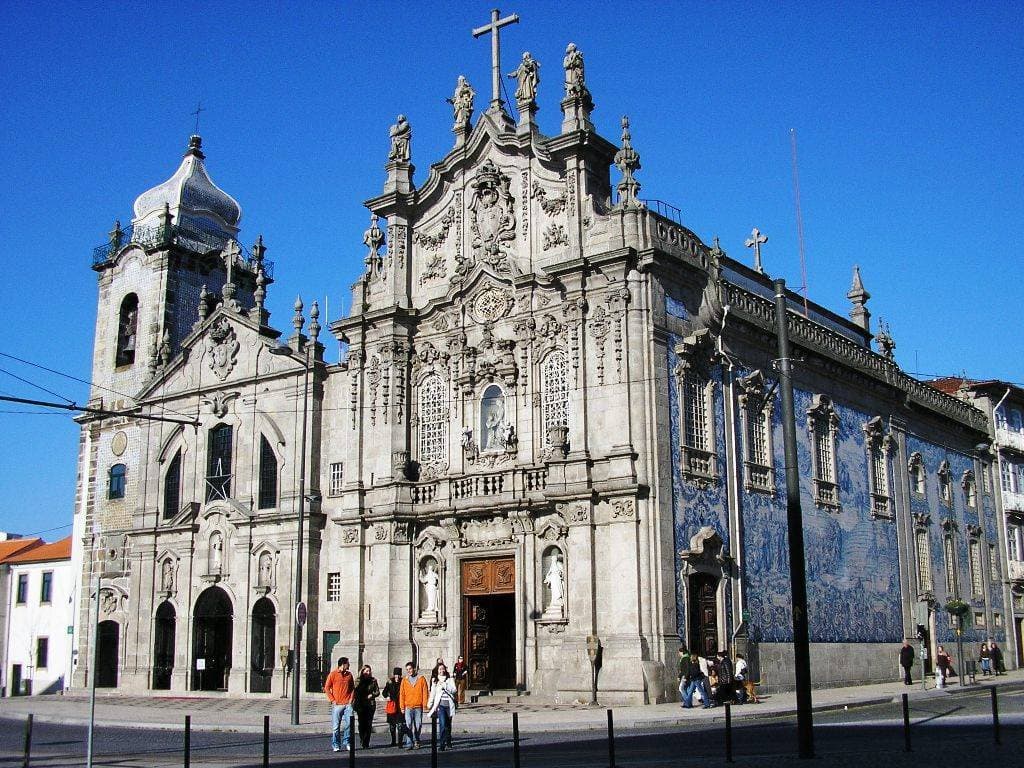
109	601
396	242
380	533
627	160
167	576
401	137
886	343
265	571
119	444
705	553
552	206
575	82
493	424
491	304
435	266
527	77
480	533
217	403
555	581
600	325
216	554
492	218
223	347
431	591
469	446
350	535
623	509
462	105
373	239
554	235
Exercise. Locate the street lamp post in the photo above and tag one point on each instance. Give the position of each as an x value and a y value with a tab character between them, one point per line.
297	600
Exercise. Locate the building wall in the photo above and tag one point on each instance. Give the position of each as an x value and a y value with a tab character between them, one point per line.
34	619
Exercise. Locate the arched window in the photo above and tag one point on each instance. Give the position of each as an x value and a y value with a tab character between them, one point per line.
433	421
554	374
268	475
116	482
945	484
172	487
218	465
823	428
917	474
127	330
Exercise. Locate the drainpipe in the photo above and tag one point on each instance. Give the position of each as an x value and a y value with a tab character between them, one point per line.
733	470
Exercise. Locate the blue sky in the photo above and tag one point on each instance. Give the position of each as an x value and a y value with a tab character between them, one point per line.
908	117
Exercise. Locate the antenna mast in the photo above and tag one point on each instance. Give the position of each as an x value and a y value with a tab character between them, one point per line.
799	221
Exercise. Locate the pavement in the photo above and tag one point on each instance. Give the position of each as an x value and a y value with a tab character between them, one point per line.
245	715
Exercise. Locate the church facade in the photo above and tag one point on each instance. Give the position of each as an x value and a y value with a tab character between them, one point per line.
554	434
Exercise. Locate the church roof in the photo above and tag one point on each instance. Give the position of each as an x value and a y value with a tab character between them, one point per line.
191	193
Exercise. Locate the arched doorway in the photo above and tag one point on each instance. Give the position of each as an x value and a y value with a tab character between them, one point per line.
163	646
261	660
211	641
703	589
107	642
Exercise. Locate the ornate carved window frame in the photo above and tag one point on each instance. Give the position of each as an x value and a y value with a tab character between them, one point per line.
879	447
554	401
970	486
974	560
923	553
918	476
757	411
949	559
699	465
945	477
433	458
823	426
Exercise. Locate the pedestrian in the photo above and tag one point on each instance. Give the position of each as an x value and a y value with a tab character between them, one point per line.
985	658
682	666
943	667
744	689
461	674
412	700
396	721
696	680
433	672
997	657
907	661
340	689
442	705
365	702
725	678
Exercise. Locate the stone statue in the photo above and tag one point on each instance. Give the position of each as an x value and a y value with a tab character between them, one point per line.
430	581
167	576
469	444
462	104
555	580
401	135
494	423
527	77
575	85
216	553
266	567
509	436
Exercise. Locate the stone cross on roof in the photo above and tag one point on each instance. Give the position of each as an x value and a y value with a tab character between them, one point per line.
755	241
496	24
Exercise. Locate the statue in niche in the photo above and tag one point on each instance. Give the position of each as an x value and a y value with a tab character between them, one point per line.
216	552
167	576
431	587
492	419
401	136
266	570
575	86
527	77
555	581
462	104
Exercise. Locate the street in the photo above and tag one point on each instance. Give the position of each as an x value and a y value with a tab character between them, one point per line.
950	730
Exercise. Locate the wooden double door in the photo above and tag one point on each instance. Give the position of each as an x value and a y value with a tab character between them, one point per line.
489	622
703	639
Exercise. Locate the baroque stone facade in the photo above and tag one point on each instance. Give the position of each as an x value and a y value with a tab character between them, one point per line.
553	420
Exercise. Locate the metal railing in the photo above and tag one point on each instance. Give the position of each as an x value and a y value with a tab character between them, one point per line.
662	208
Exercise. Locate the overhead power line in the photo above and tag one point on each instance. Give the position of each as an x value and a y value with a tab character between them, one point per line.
99	411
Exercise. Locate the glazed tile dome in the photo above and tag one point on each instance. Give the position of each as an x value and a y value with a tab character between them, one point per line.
192	197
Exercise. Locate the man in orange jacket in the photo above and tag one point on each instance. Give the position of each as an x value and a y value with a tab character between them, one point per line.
340	688
412	700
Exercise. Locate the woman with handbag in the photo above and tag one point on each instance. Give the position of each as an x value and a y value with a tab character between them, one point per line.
365	702
396	722
442	703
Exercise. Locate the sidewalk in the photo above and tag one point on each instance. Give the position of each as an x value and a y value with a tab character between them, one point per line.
246	715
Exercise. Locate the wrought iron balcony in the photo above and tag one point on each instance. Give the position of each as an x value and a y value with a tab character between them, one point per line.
190	238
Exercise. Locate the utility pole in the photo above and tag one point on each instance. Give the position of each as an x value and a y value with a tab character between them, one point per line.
795	525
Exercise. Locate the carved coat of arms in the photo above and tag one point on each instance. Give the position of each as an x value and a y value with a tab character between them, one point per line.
492	218
223	347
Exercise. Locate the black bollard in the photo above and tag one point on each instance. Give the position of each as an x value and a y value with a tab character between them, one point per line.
352	740
906	724
995	716
433	740
188	740
728	733
611	741
266	741
28	742
515	740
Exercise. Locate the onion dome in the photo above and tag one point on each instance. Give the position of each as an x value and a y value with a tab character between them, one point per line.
195	202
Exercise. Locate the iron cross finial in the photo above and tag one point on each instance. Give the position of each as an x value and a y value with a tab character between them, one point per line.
199	110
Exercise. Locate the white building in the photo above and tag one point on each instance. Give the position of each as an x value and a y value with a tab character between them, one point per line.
40	609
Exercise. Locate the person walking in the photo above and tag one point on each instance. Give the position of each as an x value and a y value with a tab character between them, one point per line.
725	679
396	721
412	700
442	704
461	674
943	666
365	702
682	667
741	675
695	681
985	657
907	661
997	657
340	690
